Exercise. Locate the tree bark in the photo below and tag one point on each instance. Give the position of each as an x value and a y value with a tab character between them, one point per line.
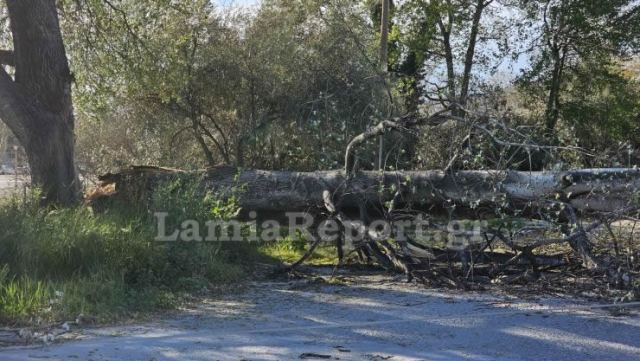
448	53
36	105
471	50
553	102
6	58
479	192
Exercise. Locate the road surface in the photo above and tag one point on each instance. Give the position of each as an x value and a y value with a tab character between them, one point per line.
377	318
8	185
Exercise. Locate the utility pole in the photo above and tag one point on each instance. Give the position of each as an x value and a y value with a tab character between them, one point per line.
384	36
384	64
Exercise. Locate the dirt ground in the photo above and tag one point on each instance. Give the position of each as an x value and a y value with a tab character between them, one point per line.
366	317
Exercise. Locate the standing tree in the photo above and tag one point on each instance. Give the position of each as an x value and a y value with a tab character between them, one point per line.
410	50
574	33
35	102
459	30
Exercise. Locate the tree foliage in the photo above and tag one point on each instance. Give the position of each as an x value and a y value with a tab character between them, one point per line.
287	84
231	83
577	37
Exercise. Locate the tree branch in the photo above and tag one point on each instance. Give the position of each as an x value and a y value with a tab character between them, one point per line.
400	124
372	132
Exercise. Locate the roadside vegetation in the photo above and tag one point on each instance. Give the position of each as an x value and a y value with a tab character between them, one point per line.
57	264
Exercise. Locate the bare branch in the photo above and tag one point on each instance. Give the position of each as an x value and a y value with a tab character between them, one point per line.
375	131
402	124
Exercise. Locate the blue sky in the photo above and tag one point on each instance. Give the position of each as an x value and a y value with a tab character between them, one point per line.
235	2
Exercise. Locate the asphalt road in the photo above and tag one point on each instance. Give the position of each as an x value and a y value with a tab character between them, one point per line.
373	318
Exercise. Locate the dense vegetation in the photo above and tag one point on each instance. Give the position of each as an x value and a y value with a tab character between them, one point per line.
60	263
191	85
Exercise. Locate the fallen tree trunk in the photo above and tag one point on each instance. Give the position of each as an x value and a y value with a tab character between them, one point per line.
480	192
601	194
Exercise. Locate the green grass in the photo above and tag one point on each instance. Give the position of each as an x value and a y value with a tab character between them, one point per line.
58	263
288	250
22	297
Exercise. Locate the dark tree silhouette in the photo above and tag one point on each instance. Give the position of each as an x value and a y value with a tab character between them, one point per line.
36	102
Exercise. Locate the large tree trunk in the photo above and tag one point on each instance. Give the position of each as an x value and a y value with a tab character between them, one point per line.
479	192
393	196
36	103
50	152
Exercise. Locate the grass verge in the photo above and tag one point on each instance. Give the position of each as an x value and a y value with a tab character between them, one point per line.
289	250
56	264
